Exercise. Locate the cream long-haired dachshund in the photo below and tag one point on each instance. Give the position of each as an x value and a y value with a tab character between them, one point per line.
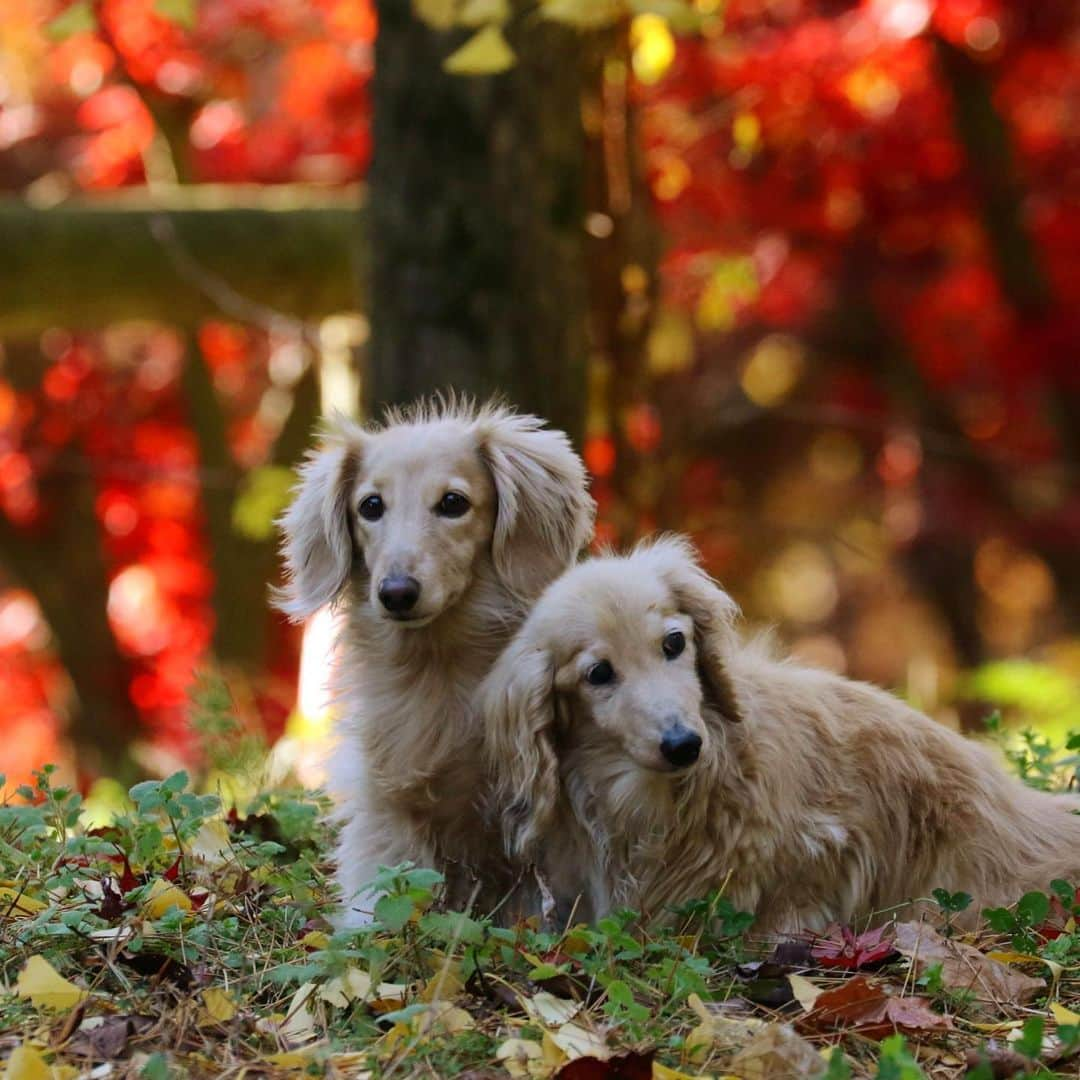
434	533
645	755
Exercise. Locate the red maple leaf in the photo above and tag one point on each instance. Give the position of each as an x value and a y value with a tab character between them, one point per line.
841	947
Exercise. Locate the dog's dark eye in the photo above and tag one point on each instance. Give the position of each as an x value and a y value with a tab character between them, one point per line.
372	508
452	505
673	644
600	674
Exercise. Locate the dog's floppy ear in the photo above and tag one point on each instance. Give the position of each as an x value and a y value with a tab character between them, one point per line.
317	546
517	702
545	514
713	613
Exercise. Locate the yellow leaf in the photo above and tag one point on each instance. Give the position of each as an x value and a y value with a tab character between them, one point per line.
46	987
315	939
444	1018
479	12
1063	1015
162	896
290	1059
445	986
806	992
699	1042
1008	957
438	14
25	1063
520	1057
653	47
219	1004
15	903
485	53
662	1072
670	348
996	1028
212	844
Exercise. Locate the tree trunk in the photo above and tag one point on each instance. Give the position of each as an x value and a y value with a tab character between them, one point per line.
476	213
242	566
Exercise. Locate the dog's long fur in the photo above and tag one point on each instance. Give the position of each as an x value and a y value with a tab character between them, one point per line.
406	772
815	798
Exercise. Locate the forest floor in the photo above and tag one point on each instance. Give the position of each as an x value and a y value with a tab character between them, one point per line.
182	940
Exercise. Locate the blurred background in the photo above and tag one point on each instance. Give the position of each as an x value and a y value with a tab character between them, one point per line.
801	277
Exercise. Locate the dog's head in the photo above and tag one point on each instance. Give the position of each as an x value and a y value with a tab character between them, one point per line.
622	662
412	507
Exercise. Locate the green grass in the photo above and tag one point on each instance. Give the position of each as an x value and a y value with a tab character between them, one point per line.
188	941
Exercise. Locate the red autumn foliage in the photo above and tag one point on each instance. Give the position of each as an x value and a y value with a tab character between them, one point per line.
841	947
813	146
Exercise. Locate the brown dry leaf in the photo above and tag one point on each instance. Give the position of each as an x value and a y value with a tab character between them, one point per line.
867	1008
46	987
106	1038
963	967
777	1053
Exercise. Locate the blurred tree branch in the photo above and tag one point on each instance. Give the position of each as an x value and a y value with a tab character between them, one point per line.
89	263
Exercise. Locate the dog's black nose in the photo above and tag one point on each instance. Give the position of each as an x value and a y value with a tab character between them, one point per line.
399	594
680	746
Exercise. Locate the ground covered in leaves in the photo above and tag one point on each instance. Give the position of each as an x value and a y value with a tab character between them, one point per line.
184	940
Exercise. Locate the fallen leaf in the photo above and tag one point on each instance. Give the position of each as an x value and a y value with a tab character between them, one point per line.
443	1018
777	1052
630	1066
315	939
26	1063
1063	1015
211	844
444	986
662	1072
46	987
551	1010
998	1027
290	1059
1002	1061
576	1041
16	904
842	947
162	896
806	992
299	1025
520	1056
106	1037
219	1004
963	967
866	1007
